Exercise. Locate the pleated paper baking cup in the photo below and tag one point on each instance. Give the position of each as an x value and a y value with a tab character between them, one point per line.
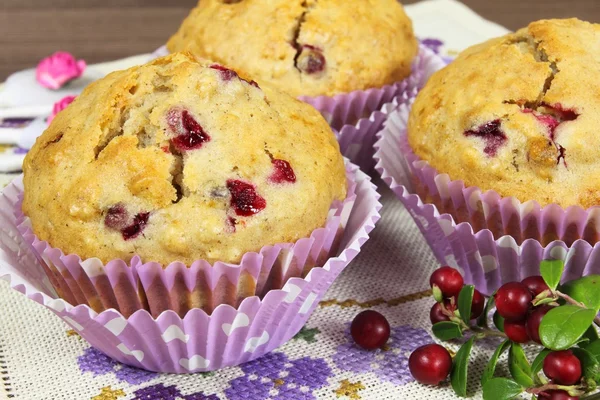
493	239
357	116
199	340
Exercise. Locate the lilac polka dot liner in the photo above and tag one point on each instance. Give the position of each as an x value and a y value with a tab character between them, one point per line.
492	239
150	331
357	116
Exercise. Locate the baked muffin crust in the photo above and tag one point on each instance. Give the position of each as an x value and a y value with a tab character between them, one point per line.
305	47
519	115
179	160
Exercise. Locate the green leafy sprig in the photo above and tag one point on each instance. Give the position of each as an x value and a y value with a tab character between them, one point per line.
570	324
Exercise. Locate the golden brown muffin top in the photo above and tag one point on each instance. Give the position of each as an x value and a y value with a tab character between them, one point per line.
304	47
519	114
178	160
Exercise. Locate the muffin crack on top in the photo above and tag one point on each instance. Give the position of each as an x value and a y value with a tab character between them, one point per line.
518	115
181	159
308	59
528	43
304	47
550	115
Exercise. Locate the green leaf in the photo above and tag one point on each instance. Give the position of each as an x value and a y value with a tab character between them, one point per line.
483	318
541	302
488	373
437	293
501	389
562	327
465	300
498	321
589	363
460	366
447	330
594	348
519	366
591	334
585	290
551	271
538	363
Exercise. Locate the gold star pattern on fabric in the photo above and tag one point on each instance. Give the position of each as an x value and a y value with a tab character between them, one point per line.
349	389
278	382
73	332
107	393
372	303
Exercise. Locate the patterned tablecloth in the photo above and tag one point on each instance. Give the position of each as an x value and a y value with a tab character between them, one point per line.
40	358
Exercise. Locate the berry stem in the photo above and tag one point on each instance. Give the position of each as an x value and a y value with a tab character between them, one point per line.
487	332
571	300
580	389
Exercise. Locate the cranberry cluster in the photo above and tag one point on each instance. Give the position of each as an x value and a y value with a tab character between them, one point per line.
450	282
514	305
514	301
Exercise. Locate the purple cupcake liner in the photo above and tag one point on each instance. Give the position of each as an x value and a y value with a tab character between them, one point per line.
128	287
198	341
492	243
357	116
357	140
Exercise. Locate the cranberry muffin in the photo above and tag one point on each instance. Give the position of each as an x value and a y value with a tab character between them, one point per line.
518	115
305	47
179	160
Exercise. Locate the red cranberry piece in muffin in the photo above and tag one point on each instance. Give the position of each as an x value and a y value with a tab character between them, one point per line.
244	198
491	134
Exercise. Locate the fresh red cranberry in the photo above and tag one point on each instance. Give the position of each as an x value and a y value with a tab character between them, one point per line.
556	395
138	225
535	284
370	330
491	134
430	364
534	320
516	331
477	304
189	133
244	199
449	280
310	59
116	217
283	172
436	315
513	300
562	367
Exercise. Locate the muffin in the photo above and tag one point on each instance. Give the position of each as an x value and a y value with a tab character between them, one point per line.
496	158
181	160
183	219
304	47
518	115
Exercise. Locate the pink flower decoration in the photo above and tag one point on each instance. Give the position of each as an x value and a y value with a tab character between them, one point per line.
56	70
59	106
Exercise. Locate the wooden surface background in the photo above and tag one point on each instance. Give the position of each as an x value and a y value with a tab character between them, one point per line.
104	30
